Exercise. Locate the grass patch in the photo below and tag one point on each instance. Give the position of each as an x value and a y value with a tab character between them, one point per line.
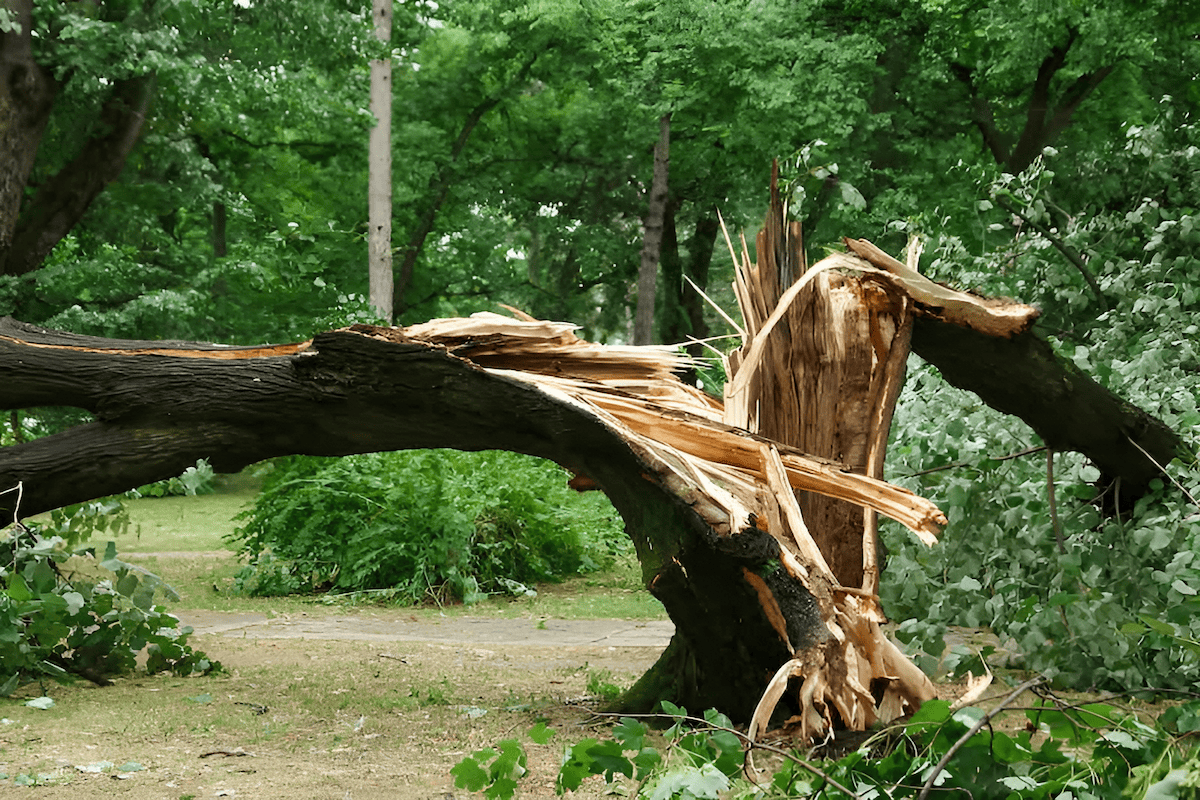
182	540
187	524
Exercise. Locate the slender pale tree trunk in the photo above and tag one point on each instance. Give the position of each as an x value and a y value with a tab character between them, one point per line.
643	320
379	181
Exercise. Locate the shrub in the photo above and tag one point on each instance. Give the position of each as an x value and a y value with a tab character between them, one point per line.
55	626
421	524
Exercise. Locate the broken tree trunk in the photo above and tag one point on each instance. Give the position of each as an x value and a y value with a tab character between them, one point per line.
695	492
718	498
1017	372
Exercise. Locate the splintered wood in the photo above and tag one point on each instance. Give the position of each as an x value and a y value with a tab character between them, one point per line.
795	449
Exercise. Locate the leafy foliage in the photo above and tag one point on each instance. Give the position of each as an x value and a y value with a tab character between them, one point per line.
194	480
421	525
1089	751
56	626
1115	604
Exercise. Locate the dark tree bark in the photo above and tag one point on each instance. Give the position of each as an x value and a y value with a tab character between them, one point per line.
1022	376
26	97
682	315
62	201
220	241
1045	116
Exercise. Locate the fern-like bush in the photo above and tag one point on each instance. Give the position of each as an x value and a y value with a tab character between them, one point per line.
421	525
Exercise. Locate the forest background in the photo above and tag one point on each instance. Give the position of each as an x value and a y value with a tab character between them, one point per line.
198	170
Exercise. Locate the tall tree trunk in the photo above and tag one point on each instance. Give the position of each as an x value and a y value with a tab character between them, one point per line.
219	219
700	253
379	177
643	320
26	97
672	324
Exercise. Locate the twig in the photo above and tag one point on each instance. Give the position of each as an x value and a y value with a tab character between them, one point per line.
231	753
1026	452
978	726
1163	470
1062	247
728	319
20	490
1054	523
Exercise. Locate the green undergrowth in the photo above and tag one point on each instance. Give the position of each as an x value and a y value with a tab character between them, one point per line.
70	611
184	541
419	526
1064	751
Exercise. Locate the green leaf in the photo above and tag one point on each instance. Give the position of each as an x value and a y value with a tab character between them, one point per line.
75	602
1169	788
705	782
630	732
1157	625
931	711
17	588
608	758
469	775
540	734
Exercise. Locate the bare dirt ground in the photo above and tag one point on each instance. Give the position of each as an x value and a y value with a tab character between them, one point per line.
372	705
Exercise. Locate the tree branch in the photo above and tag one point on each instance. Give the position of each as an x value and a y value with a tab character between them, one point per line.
26	98
1068	252
1022	376
440	182
62	201
981	114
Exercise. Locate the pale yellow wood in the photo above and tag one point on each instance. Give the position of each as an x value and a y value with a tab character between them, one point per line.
992	317
725	475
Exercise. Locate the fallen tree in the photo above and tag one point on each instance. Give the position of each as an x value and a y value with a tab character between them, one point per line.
753	518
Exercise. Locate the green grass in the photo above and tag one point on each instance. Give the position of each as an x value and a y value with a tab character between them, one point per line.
187	524
182	540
